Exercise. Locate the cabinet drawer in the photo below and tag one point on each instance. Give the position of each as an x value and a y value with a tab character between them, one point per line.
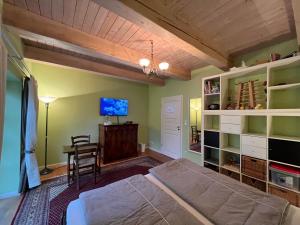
254	167
231	174
254	183
231	119
212	167
253	151
230	128
260	142
291	196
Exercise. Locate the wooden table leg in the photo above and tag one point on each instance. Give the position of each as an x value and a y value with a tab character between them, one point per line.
69	159
99	162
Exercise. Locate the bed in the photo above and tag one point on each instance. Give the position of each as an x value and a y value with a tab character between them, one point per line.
172	186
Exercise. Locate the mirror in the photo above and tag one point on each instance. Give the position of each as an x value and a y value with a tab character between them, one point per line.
195	124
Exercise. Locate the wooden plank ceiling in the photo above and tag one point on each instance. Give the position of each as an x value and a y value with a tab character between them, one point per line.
91	18
228	27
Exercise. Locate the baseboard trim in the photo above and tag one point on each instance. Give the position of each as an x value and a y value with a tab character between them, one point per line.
9	195
154	149
54	166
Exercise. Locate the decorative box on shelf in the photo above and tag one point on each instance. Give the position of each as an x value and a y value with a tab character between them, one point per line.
285	176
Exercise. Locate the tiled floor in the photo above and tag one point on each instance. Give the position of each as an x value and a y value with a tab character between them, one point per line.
8	208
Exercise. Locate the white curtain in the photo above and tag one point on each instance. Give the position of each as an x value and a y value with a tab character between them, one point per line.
3	66
32	168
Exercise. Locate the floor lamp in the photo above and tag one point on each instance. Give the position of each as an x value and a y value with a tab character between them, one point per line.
47	100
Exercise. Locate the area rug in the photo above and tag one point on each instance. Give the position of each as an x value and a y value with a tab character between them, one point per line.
46	204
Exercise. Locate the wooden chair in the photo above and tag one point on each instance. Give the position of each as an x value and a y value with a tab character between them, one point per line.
85	161
77	140
194	134
81	139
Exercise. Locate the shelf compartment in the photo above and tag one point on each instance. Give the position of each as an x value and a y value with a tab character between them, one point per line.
254	183
285	74
284	151
211	155
212	100
211	122
285	176
285	138
231	174
292	197
212	86
254	146
230	161
285	98
212	93
255	168
211	166
211	138
285	127
255	125
230	87
284	86
230	143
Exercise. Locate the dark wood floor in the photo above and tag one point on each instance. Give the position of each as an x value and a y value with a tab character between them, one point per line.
62	170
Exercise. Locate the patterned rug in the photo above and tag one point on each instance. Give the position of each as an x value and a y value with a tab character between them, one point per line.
46	204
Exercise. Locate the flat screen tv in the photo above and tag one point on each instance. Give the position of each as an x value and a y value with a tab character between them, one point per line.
113	107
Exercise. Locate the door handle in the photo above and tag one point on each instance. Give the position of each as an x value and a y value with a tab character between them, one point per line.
178	128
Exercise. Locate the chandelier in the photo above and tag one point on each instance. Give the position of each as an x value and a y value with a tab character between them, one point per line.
149	66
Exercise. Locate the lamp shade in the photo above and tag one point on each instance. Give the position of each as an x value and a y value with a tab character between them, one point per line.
163	66
144	62
47	99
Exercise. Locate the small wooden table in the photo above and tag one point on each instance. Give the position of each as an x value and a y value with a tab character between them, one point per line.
70	151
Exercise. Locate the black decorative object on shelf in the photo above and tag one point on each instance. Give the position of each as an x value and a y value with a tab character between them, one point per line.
213	106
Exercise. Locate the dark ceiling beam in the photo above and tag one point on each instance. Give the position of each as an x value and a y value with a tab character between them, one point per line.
59	58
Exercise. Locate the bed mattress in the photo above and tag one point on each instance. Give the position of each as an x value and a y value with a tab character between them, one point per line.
75	213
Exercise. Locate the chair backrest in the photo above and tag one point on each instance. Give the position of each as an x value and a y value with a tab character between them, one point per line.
194	130
86	150
81	139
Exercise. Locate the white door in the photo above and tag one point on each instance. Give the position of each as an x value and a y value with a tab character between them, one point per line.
171	126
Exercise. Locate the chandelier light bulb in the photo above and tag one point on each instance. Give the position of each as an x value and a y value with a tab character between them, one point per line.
163	66
147	70
144	62
149	66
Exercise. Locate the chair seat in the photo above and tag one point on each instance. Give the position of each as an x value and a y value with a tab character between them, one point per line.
85	162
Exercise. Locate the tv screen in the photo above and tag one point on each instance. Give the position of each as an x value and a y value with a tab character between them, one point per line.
113	107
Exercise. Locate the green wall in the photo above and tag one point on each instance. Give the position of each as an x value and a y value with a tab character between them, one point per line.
10	161
188	89
76	111
283	48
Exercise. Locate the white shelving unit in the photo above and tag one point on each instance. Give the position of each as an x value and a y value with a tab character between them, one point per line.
254	129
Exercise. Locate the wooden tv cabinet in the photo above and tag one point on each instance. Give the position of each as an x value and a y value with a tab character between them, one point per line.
118	141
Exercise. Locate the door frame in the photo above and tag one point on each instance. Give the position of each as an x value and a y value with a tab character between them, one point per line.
189	124
176	97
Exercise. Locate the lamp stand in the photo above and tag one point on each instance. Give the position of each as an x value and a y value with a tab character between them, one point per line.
46	170
196	119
